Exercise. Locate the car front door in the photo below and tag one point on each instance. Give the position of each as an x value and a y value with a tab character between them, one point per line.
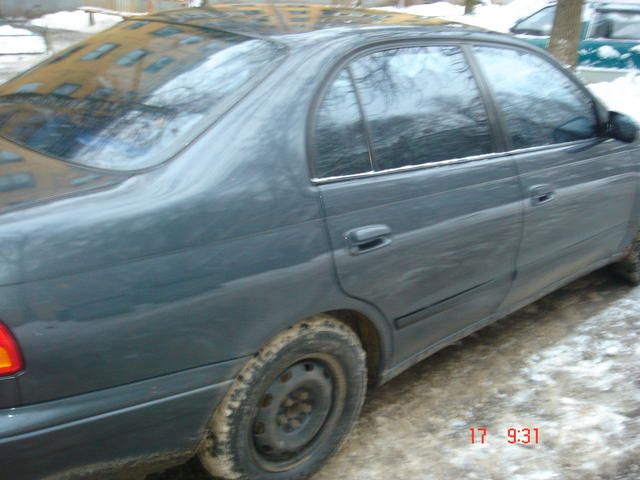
424	217
579	189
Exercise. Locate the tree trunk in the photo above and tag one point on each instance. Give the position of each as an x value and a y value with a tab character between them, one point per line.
468	6
565	35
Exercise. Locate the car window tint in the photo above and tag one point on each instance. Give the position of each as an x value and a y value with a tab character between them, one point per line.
539	103
340	139
422	106
616	25
539	23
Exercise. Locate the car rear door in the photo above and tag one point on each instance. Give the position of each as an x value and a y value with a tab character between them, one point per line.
613	41
579	189
424	217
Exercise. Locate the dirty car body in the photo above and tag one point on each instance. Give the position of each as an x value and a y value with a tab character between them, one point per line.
154	235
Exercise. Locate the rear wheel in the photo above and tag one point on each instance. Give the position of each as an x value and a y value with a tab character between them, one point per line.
291	406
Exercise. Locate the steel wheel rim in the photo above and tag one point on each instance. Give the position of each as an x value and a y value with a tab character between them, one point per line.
292	412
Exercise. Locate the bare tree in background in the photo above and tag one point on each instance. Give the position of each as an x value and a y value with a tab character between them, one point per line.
565	35
468	6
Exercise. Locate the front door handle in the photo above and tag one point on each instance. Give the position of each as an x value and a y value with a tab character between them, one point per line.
366	239
541	194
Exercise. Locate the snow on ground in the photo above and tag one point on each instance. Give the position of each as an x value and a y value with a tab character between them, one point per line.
621	95
568	365
12	65
493	17
20	41
21	48
77	21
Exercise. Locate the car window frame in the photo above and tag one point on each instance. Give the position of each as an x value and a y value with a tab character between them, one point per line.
595	104
365	125
524	19
592	26
495	127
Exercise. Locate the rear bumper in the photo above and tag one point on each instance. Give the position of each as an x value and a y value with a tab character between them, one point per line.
117	432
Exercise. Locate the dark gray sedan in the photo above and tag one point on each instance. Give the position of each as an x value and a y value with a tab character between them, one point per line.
219	225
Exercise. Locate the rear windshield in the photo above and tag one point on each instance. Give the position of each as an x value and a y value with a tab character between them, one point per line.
132	96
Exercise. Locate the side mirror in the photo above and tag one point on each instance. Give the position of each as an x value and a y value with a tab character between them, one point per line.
621	127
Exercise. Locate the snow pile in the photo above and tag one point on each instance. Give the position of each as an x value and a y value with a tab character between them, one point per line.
20	41
608	52
621	95
438	9
502	17
493	17
77	21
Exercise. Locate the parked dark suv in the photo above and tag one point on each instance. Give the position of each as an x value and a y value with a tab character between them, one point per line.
218	225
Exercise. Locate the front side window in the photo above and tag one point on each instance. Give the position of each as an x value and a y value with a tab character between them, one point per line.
341	145
616	25
540	105
421	105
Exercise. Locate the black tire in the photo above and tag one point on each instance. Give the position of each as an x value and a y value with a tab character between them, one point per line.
629	266
291	406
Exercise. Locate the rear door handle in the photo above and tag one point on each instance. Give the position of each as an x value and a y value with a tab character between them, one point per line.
366	239
541	194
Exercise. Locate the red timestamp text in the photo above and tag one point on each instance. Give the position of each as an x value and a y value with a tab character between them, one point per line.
522	436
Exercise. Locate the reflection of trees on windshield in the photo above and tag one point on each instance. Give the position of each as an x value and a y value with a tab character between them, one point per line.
422	106
185	101
341	143
131	105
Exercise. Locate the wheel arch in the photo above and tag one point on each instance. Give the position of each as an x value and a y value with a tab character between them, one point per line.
372	339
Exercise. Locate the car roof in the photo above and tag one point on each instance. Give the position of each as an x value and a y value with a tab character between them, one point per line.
278	20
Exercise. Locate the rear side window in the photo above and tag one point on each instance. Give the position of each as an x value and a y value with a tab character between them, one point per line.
341	145
616	25
540	105
421	105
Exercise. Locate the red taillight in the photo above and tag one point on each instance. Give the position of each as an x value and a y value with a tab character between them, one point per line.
10	358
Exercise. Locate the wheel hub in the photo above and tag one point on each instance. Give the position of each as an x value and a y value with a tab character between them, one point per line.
293	410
